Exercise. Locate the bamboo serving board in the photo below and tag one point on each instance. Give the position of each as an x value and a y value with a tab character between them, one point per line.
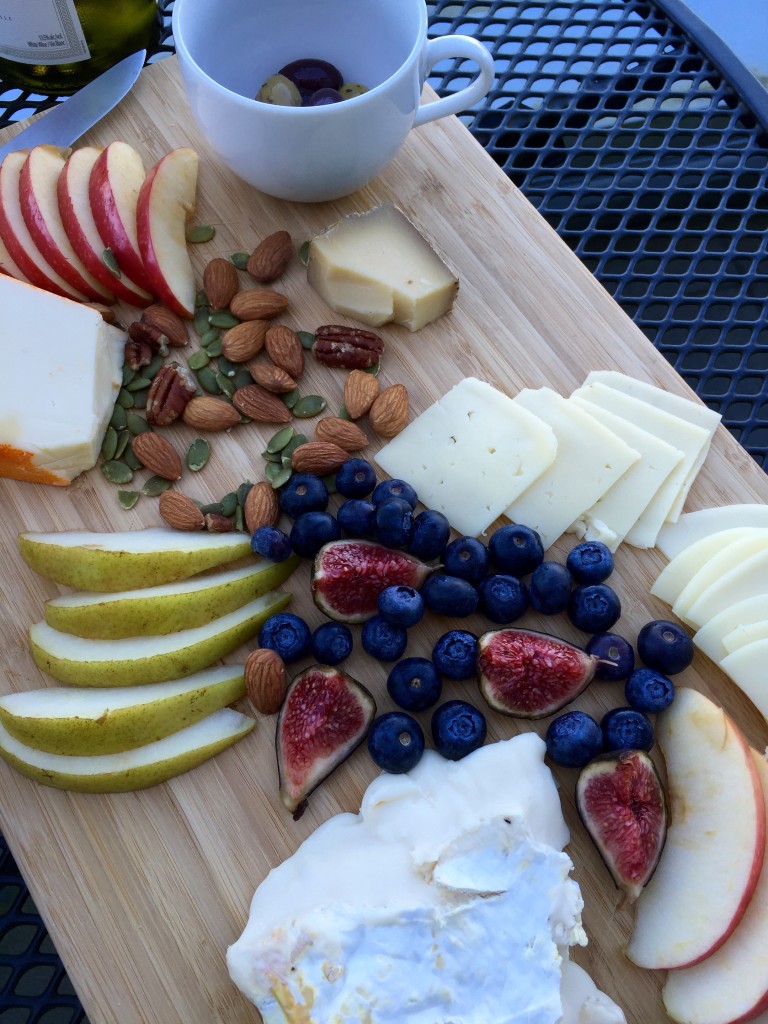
143	892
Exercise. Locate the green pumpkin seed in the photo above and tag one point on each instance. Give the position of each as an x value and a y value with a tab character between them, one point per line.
213	508
306	338
139	384
309	405
279	440
125	398
200	233
272	469
243	491
128	374
239	518
240	260
229	369
344	413
118	418
241	378
123	440
281	477
223	319
136	424
198	454
109	260
131	460
330	483
293	444
201	319
226	386
229	504
117	472
208	337
375	370
109	444
206	378
201	299
153	367
198	360
140	399
291	398
304	252
214	349
128	498
271	456
155	485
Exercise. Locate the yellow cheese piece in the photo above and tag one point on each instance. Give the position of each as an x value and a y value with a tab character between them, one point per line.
62	372
746	667
376	267
746	634
692	526
736	552
749	579
711	637
675	577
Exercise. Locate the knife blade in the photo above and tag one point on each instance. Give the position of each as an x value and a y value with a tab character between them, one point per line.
64	124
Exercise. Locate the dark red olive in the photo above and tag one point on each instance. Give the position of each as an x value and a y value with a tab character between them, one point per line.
311	74
324	96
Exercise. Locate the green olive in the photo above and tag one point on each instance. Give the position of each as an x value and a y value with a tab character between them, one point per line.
279	90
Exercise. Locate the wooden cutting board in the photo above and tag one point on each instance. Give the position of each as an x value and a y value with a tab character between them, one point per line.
143	892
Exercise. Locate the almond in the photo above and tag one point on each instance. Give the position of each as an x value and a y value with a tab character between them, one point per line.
272	378
260	405
208	413
261	507
257	304
180	512
284	349
389	413
220	282
361	389
265	680
270	257
241	343
171	325
341	432
158	454
319	457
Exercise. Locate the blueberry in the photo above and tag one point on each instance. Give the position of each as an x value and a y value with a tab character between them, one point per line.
357	517
311	530
331	643
271	543
309	74
626	729
466	557
503	598
455	654
573	739
516	549
590	562
356	478
648	690
394	489
594	608
665	646
458	728
449	595
383	641
394	522
550	588
414	684
617	656
401	606
395	742
286	633
304	492
430	534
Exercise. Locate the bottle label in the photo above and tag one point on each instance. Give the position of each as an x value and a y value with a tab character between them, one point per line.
41	32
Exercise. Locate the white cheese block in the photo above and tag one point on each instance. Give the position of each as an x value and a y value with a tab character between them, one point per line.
590	459
631	503
376	267
746	633
710	638
681	570
746	667
470	454
742	581
62	372
692	526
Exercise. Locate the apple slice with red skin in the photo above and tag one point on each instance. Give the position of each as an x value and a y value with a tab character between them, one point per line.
113	191
715	846
40	208
166	200
730	986
8	265
17	239
80	226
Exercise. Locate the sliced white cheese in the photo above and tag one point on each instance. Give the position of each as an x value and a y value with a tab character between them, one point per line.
470	454
746	667
590	459
709	639
692	526
746	633
676	576
631	504
734	554
743	581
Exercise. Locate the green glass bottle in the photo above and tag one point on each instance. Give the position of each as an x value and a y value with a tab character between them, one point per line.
56	46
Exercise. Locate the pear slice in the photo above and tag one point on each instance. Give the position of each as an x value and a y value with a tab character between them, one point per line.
107	720
123	561
132	769
151	611
135	660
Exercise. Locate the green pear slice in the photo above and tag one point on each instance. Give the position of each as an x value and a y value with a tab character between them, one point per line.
122	561
136	660
133	769
165	609
107	720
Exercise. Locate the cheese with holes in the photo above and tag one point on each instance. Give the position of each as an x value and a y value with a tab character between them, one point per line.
61	374
376	267
471	454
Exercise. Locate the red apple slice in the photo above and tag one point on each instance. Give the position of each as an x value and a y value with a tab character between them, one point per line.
80	226
731	985
113	190
16	237
715	844
40	209
166	199
8	265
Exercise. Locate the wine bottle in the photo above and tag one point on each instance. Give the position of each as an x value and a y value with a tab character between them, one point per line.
56	46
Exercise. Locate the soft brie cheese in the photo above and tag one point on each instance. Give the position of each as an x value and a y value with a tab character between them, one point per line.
446	899
61	375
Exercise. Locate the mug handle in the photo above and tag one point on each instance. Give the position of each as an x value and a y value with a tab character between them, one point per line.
450	47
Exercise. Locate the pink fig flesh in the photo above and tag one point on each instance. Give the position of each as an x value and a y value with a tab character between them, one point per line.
349	575
529	674
324	716
621	802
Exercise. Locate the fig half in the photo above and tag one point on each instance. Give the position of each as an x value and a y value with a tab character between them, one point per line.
621	802
349	575
324	716
530	674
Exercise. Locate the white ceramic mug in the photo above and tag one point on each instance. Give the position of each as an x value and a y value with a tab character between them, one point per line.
228	48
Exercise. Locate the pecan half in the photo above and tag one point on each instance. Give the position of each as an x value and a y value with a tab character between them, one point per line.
144	341
349	347
167	398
